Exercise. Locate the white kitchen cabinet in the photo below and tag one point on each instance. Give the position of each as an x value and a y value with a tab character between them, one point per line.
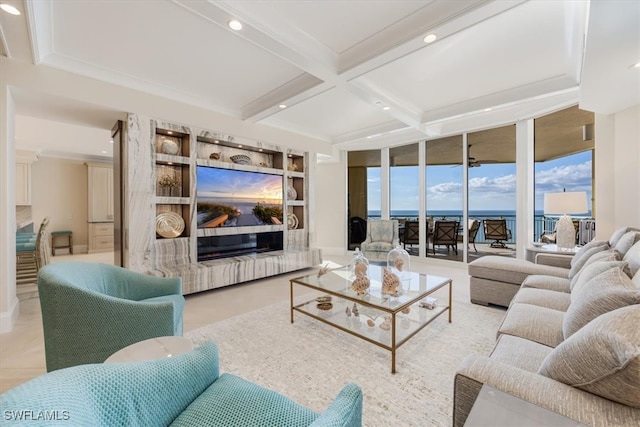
100	192
23	184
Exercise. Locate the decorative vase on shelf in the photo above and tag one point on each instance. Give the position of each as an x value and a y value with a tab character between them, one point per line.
292	194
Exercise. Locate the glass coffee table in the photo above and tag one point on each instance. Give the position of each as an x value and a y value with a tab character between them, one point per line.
387	321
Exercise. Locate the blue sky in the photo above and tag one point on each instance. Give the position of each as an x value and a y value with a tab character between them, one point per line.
491	187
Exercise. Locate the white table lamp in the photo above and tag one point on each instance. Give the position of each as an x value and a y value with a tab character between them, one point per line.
565	204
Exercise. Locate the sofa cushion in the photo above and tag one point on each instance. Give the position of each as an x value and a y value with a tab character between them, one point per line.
543	298
582	261
233	401
626	242
519	352
593	269
602	358
592	244
613	240
540	324
632	257
552	283
510	270
606	292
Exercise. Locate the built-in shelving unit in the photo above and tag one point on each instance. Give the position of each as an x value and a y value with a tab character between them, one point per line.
172	175
164	161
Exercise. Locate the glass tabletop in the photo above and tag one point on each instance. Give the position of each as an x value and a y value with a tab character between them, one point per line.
413	286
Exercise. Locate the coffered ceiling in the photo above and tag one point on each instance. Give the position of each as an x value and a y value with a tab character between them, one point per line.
351	73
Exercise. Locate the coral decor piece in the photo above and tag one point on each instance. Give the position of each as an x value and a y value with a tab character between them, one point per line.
390	282
361	283
323	270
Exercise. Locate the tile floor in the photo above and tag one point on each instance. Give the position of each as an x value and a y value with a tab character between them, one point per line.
22	349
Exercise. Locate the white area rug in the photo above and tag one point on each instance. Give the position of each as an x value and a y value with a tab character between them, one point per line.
309	361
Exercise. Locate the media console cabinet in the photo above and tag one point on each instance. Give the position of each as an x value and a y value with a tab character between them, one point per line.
158	164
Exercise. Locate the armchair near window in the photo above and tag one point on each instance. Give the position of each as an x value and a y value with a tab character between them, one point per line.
382	237
92	310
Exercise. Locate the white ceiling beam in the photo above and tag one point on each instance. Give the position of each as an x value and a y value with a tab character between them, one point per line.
39	16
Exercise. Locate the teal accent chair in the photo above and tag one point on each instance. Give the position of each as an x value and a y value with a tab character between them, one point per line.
382	237
183	390
91	310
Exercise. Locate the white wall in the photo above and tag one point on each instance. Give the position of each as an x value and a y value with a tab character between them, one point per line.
330	182
59	191
9	307
617	166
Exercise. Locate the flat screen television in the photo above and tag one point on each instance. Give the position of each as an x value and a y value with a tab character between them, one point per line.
235	198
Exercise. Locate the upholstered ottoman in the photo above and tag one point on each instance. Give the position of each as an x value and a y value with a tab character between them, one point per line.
496	279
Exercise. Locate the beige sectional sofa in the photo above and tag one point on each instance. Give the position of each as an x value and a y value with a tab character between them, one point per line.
569	344
496	279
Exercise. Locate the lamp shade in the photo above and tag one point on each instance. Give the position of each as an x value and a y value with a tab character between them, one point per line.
573	202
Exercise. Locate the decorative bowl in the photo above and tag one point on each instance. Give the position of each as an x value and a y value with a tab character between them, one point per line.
169	224
240	159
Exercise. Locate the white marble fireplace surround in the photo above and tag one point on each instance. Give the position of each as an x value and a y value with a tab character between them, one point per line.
146	252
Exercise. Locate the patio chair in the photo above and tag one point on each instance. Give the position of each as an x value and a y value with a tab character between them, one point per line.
411	233
473	227
445	233
496	230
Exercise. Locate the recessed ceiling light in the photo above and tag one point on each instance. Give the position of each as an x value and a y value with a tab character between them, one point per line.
169	132
216	142
111	141
235	25
430	38
282	106
239	146
370	136
169	163
290	155
260	149
386	108
635	66
488	109
9	9
103	152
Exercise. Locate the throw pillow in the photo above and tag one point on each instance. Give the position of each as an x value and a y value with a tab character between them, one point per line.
602	357
606	292
613	240
626	242
577	266
592	269
585	248
632	257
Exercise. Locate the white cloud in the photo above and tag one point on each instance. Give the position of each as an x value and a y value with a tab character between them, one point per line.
572	177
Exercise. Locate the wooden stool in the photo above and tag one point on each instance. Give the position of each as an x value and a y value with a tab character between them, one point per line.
54	237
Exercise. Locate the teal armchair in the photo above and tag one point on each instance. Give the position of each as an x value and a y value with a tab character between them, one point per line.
92	310
183	390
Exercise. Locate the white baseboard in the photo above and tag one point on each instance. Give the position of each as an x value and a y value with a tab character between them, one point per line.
8	318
